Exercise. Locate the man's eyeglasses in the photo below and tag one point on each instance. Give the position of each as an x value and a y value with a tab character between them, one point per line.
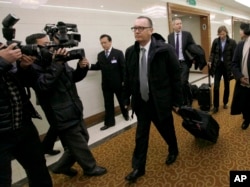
140	29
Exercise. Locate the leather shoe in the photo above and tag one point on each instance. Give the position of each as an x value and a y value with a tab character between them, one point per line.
106	127
69	172
126	117
134	175
171	158
52	152
245	125
215	110
97	171
225	106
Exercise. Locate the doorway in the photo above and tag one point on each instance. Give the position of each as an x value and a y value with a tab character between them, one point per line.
195	21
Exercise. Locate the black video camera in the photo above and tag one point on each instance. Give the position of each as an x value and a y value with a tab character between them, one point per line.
9	34
60	34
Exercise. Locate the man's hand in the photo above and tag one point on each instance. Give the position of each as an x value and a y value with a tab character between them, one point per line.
244	81
9	53
209	64
26	61
59	55
83	63
176	109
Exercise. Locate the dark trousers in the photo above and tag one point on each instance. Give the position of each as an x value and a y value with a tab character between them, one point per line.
186	90
49	139
77	150
145	115
108	94
219	72
25	146
245	102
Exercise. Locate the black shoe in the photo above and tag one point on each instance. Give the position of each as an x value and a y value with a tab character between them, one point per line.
215	110
69	172
126	117
134	175
225	106
171	158
245	125
52	152
97	171
106	127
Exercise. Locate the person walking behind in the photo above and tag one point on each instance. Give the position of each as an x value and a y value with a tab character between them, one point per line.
241	72
220	61
180	40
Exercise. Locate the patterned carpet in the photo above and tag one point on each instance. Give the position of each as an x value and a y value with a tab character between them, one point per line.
200	163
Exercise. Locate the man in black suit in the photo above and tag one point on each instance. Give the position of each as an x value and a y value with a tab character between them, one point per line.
111	63
180	40
155	90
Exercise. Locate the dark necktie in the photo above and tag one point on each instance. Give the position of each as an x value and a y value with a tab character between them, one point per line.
177	45
107	53
143	76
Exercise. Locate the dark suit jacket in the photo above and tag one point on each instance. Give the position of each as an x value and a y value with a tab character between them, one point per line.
187	39
112	68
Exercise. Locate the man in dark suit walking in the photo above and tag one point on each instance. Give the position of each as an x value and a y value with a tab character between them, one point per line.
111	63
153	79
180	40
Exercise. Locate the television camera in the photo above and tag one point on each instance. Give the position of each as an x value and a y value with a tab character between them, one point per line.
57	33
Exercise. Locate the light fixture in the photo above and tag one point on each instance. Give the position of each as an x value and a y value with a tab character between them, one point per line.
155	11
33	4
228	21
243	2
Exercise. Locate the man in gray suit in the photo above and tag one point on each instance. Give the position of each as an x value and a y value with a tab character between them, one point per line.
180	40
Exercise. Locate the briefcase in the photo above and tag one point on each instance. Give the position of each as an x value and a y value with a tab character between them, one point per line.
199	123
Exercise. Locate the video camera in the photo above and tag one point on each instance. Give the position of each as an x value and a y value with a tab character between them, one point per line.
61	38
56	32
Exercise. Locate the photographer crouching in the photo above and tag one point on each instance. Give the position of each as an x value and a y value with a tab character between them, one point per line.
54	82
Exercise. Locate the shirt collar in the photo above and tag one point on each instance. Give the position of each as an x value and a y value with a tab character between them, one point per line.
146	46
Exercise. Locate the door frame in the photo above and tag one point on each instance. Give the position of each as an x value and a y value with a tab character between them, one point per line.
204	24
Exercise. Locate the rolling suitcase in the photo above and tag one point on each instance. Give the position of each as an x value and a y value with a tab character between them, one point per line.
199	123
204	95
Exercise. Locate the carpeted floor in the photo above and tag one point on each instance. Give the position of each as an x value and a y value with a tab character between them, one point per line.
200	163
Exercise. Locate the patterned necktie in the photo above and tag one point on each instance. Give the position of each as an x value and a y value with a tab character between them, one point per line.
143	76
177	45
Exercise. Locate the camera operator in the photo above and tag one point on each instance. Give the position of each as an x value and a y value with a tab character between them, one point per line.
18	136
55	85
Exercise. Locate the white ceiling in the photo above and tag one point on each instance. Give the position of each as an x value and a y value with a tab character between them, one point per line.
133	6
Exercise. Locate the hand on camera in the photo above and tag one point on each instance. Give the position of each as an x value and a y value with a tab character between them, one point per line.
9	53
83	63
26	61
59	55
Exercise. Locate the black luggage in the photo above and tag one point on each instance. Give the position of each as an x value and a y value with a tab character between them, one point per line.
199	123
205	96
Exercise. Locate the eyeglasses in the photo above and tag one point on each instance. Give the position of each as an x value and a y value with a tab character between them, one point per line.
140	29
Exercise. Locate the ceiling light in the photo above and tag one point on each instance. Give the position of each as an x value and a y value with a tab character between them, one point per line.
33	4
228	21
155	11
243	2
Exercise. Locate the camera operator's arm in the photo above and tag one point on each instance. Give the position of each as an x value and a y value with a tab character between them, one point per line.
81	70
84	63
9	54
26	61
